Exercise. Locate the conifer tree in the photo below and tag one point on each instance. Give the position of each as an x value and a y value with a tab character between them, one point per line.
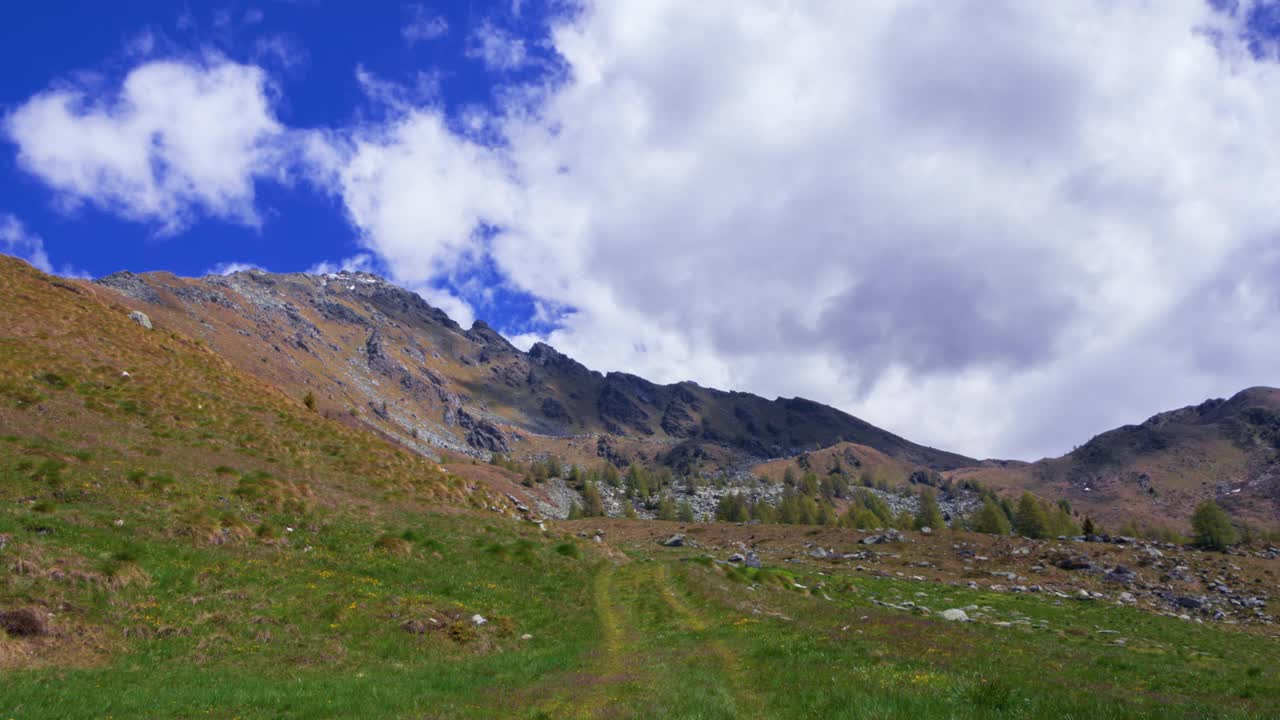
929	514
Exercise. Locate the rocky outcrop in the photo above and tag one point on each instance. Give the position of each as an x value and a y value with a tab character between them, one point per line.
482	434
618	408
126	283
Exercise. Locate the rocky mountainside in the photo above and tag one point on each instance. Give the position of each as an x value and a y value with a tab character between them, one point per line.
375	354
1227	449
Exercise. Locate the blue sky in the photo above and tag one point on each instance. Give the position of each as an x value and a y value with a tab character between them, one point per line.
312	51
993	226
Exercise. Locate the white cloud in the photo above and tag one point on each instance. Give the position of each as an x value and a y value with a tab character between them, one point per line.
422	25
360	262
226	268
15	240
996	227
498	49
179	138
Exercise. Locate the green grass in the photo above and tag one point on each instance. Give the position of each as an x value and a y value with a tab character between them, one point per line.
313	628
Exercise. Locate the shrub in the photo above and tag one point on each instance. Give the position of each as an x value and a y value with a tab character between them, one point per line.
991	519
1212	526
393	545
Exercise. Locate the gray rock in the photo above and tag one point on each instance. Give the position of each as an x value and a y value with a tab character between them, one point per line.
141	318
955	615
1121	574
676	540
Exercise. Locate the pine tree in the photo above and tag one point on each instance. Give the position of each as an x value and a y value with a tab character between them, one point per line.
1061	522
1089	528
929	515
685	512
592	503
666	508
1030	519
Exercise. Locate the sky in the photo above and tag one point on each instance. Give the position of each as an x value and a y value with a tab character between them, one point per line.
996	227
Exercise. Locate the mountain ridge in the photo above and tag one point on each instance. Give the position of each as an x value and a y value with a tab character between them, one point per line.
542	391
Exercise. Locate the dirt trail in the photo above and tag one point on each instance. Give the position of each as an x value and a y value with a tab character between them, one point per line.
625	670
746	704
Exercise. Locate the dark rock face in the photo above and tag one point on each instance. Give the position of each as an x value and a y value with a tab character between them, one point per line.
606	450
337	312
555	410
129	284
376	354
492	345
685	457
677	418
397	302
482	434
543	355
618	410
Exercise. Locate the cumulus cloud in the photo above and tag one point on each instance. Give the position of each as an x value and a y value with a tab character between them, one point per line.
996	227
422	25
177	139
498	49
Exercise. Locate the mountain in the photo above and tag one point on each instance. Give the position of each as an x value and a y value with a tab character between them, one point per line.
379	363
374	354
1157	471
99	411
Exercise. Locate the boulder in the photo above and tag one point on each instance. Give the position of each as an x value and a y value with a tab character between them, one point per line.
955	615
141	318
888	536
1121	574
676	540
1074	563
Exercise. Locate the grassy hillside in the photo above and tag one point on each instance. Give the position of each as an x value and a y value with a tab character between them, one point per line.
1156	472
181	539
